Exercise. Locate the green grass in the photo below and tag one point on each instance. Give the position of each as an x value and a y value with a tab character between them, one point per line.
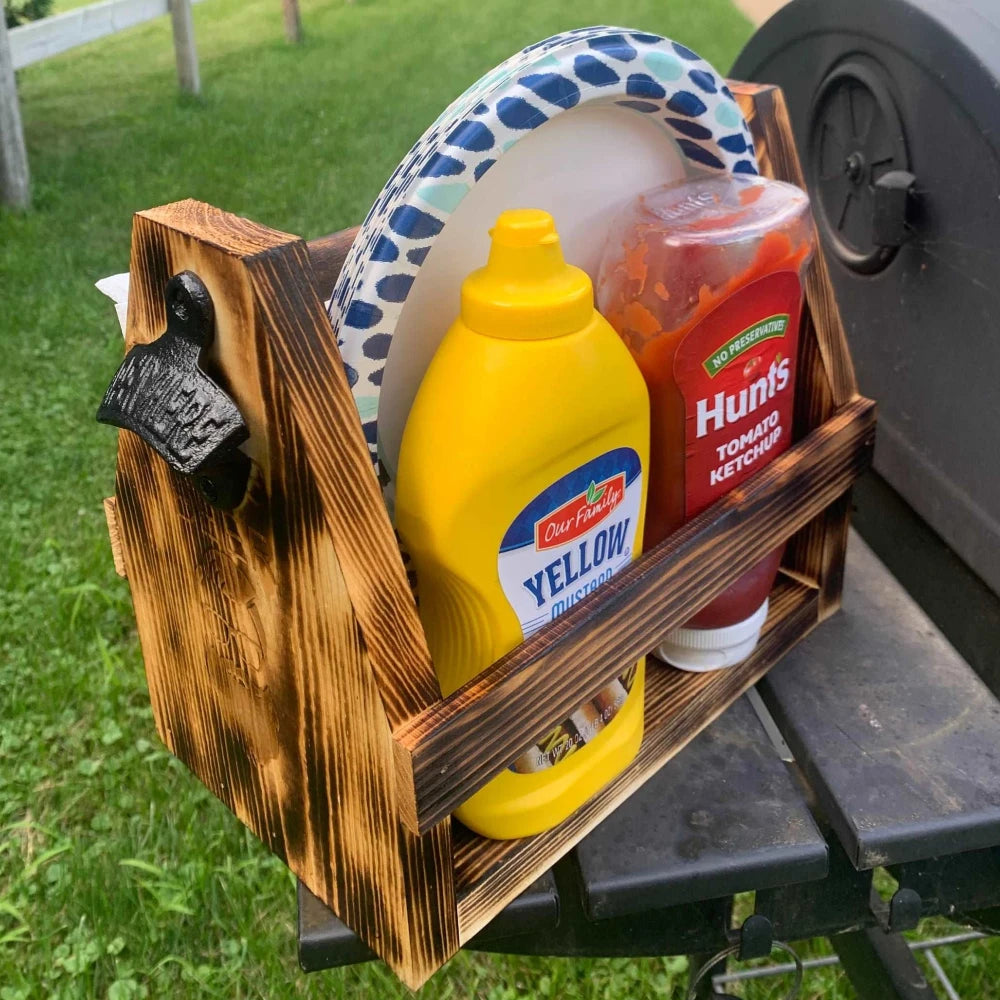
61	6
120	877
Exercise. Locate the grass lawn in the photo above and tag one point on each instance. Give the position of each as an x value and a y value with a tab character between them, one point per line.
119	876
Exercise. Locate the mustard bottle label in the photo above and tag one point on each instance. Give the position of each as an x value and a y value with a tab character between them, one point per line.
574	536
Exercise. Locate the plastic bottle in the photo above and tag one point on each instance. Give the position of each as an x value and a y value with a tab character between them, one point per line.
520	489
702	280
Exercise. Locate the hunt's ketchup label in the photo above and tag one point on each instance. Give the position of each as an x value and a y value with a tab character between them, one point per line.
738	387
702	281
574	536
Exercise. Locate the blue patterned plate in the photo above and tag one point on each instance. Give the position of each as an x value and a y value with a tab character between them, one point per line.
577	125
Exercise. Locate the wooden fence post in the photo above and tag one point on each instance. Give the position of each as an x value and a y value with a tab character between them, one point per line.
293	22
184	47
15	189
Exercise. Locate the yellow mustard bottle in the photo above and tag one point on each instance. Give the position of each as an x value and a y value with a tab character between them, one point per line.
521	488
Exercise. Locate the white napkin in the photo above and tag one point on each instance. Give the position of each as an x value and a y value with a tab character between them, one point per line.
115	286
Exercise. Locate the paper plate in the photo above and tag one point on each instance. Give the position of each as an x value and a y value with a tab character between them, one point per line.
578	125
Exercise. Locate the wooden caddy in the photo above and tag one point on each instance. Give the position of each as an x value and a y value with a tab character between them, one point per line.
286	663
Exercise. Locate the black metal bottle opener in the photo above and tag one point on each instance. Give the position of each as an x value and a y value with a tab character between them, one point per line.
161	393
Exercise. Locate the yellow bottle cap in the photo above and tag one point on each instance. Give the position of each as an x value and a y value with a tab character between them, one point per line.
526	291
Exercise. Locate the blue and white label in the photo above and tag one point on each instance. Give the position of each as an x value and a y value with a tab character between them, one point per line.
570	539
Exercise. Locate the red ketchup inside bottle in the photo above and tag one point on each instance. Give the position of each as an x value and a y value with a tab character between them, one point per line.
702	280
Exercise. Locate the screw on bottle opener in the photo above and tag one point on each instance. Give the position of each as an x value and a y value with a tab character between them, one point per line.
707	968
161	393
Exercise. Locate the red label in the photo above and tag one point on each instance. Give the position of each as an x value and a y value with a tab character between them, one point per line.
736	372
580	514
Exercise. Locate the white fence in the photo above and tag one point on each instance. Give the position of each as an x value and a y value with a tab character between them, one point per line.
37	40
30	43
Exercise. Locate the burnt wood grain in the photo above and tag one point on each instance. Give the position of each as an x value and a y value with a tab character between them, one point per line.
501	711
327	255
678	706
302	343
825	372
261	670
816	552
286	663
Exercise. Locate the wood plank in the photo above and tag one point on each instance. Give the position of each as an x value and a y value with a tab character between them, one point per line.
501	711
15	186
825	371
115	535
489	873
816	552
260	677
327	255
31	43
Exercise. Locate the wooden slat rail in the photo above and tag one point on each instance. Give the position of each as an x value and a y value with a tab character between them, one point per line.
489	873
502	710
30	43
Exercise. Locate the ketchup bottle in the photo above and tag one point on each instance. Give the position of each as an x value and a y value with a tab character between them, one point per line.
703	282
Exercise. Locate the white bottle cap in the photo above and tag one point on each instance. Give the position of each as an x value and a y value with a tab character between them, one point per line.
701	649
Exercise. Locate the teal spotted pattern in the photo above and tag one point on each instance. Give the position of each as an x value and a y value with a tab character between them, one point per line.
644	73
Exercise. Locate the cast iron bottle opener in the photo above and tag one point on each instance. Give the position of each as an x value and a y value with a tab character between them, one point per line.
161	393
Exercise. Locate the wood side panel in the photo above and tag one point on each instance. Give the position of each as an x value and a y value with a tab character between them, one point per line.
260	676
323	407
501	711
817	551
327	255
490	873
291	316
825	370
308	366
